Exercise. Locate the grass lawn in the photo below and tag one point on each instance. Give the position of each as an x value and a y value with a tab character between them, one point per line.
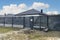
7	29
35	35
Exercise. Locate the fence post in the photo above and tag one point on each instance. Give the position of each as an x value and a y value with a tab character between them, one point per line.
23	22
40	21
4	19
31	22
12	21
47	21
40	18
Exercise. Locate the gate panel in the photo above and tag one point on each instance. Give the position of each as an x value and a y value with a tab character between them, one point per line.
40	22
27	22
18	22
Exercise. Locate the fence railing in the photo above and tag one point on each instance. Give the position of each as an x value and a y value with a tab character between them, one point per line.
23	21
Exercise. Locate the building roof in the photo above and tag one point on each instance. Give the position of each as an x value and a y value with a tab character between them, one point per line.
30	12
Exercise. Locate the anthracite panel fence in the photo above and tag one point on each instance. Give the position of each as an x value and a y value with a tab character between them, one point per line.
51	22
24	22
11	21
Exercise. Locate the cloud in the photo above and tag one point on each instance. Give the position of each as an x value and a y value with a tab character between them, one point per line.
38	5
13	8
22	6
52	12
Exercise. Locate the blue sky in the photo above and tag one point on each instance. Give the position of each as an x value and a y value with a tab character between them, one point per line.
54	4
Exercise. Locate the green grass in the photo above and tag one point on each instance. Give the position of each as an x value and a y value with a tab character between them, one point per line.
7	29
35	35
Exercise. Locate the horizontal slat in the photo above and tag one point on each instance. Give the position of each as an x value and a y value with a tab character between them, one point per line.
22	16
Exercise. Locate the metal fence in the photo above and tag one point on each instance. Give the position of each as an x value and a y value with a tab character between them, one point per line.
11	21
35	21
31	21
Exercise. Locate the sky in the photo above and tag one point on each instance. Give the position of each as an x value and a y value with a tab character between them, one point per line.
17	6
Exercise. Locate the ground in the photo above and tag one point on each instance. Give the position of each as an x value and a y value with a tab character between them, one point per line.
24	34
7	29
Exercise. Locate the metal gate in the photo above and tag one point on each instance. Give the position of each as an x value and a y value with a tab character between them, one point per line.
35	22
